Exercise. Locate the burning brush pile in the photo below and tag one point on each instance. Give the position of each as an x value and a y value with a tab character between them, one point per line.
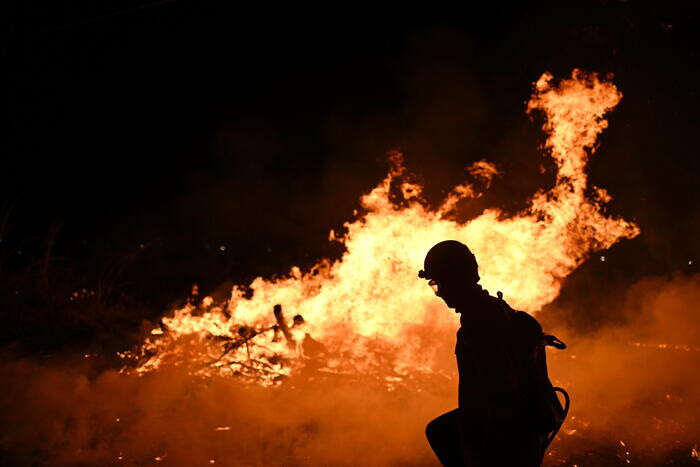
366	313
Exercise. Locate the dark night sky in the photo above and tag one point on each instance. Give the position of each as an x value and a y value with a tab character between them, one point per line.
187	125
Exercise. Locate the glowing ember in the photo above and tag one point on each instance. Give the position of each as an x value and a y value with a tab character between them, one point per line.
360	308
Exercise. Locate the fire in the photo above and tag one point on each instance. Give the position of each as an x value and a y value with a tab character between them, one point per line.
370	301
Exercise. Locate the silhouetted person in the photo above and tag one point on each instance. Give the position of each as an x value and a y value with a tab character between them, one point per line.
506	405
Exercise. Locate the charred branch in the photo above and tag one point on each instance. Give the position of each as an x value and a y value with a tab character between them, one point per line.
279	316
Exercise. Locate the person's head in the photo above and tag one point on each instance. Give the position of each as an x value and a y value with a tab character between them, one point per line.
452	271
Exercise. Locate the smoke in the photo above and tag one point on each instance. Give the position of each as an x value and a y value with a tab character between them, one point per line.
633	385
58	416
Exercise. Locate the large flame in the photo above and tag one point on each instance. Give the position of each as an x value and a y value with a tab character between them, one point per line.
372	294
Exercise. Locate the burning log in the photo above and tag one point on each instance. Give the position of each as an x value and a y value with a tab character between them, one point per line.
283	326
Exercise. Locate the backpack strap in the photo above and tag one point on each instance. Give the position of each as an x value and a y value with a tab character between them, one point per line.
509	311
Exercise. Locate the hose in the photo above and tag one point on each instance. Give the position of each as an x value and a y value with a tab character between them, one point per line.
567	403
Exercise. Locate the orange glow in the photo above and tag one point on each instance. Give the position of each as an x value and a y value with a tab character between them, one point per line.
370	297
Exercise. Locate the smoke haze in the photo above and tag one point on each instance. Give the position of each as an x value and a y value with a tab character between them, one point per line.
624	387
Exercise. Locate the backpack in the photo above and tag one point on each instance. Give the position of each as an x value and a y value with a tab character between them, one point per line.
529	350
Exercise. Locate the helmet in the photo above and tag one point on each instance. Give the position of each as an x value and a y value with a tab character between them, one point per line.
449	259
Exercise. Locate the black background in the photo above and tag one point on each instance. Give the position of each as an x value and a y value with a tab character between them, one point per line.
142	137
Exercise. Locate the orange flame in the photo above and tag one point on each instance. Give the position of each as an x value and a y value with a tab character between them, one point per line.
372	292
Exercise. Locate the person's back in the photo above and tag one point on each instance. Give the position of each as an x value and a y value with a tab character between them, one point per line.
496	421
